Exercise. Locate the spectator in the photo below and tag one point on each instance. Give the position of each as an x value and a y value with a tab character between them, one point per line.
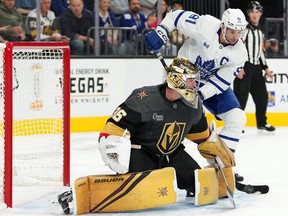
2	40
177	38
147	6
75	23
119	7
176	5
272	47
59	7
250	78
25	6
167	49
11	22
47	18
109	38
134	18
164	10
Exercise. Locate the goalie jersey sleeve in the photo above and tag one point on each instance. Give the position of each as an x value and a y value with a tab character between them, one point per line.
218	64
155	122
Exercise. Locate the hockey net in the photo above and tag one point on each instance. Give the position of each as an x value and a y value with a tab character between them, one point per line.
34	115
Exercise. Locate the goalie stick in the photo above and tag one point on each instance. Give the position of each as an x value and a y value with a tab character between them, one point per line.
247	188
229	191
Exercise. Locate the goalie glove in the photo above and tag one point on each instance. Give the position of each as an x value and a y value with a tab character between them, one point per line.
115	152
215	146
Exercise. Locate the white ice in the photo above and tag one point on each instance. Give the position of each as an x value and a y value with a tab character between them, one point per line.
261	159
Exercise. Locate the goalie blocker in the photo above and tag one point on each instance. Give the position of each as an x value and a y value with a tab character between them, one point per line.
143	190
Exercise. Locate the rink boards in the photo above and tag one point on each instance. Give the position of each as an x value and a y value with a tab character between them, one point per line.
99	85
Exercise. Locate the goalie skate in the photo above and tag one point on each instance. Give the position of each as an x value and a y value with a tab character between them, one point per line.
64	199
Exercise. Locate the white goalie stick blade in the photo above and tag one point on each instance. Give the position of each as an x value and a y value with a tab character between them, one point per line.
229	191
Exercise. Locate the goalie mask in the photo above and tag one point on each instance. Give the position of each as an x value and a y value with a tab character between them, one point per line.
178	72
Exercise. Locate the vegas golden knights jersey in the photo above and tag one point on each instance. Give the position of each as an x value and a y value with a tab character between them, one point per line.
155	123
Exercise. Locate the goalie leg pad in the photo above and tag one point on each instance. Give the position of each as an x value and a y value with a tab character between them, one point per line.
206	186
215	146
81	194
230	180
126	192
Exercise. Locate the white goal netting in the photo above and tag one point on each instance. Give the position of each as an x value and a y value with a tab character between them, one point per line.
37	116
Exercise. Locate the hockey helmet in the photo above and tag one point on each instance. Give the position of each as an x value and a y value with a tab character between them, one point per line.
254	6
234	19
178	72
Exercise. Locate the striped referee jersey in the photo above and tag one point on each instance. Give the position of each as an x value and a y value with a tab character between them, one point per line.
253	38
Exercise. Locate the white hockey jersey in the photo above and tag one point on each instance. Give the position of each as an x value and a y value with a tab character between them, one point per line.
45	24
217	64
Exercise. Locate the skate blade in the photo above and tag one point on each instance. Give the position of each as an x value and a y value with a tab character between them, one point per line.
265	132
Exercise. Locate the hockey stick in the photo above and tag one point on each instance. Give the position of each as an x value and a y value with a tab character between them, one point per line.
247	188
160	57
229	191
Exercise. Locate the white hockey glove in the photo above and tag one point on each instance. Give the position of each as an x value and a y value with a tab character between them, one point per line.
115	152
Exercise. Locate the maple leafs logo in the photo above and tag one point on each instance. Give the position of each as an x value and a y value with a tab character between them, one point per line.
206	68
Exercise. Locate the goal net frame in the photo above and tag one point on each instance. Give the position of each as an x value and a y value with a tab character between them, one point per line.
8	109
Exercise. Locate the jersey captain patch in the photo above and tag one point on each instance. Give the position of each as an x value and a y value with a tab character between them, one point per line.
142	95
171	137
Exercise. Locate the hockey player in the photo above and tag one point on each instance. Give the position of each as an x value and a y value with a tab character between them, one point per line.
144	137
214	47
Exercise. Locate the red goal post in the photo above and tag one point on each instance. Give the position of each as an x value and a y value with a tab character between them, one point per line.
34	115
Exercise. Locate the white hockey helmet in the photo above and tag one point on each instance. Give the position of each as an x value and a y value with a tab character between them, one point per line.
178	72
234	19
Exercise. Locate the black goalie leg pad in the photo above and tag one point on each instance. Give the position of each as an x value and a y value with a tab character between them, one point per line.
64	199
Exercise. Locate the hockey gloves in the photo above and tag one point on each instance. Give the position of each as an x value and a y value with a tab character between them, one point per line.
115	152
215	146
154	40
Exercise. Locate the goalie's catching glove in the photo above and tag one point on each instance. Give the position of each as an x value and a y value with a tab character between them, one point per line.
215	146
154	40
115	152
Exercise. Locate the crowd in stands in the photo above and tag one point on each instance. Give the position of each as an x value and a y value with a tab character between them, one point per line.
122	24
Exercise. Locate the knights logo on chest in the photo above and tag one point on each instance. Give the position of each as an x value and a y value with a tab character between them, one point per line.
171	137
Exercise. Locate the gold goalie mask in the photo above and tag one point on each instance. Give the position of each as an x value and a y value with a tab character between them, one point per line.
178	72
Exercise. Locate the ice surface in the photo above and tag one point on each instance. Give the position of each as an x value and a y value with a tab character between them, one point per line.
261	159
